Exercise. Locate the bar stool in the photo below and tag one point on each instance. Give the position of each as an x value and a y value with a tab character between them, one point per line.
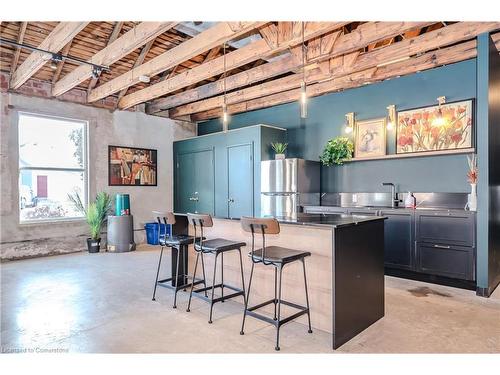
180	244
277	257
216	246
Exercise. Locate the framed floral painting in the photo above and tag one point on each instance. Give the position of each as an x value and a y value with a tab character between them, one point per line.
370	138
426	129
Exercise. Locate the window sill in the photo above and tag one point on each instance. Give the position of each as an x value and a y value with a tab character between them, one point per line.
76	220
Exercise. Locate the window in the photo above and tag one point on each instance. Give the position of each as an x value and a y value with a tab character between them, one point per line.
52	166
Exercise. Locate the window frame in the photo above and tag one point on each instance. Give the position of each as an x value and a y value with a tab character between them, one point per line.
83	170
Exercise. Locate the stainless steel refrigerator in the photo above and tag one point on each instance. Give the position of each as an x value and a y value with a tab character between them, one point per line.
287	185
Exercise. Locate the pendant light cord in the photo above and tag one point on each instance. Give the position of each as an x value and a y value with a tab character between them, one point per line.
225	71
303	55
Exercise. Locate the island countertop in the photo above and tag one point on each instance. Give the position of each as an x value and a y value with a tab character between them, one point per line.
321	220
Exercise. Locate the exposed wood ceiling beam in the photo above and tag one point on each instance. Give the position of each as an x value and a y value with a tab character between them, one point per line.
17	53
460	52
288	36
139	61
114	35
127	43
216	35
60	64
62	34
332	44
348	64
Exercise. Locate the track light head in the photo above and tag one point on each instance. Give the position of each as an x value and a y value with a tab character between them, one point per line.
96	71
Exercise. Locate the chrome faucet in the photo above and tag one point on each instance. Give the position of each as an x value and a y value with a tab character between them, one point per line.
394	199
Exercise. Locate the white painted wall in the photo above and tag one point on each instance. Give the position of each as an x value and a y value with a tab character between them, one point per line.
105	128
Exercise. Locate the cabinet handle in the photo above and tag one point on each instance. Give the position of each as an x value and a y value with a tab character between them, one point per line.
194	199
230	200
443	246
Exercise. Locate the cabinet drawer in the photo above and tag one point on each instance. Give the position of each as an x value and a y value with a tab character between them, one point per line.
446	260
445	228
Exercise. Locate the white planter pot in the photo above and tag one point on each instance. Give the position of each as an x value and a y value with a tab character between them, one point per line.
279	156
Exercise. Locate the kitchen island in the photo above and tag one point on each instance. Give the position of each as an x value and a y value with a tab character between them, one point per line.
345	272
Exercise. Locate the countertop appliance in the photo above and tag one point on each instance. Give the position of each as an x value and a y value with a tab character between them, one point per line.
287	185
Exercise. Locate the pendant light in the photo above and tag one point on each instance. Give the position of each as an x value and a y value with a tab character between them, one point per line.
303	87
225	116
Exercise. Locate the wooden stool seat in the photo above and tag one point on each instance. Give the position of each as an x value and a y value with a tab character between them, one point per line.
277	254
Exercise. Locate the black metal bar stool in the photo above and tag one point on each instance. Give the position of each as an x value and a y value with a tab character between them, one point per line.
277	257
179	243
216	246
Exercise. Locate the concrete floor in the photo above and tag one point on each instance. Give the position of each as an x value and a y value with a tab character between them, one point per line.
102	303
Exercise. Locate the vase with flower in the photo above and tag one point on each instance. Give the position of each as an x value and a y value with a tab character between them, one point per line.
472	179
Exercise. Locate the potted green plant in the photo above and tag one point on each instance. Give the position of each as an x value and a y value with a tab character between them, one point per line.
95	214
337	150
279	149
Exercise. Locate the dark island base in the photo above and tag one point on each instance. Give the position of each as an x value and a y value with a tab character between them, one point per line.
358	282
441	280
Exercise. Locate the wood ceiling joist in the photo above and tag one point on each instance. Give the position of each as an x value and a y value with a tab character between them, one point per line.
61	35
332	44
348	64
127	43
20	38
449	55
242	56
114	35
216	35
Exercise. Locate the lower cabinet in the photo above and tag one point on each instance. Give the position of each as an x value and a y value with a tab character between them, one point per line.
440	242
446	260
398	239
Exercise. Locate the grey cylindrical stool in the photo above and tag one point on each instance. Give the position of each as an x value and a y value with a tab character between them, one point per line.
120	234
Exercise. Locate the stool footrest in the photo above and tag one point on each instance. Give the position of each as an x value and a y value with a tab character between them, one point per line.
197	293
187	285
278	323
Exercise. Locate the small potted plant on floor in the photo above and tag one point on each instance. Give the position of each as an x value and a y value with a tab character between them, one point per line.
337	150
279	149
95	214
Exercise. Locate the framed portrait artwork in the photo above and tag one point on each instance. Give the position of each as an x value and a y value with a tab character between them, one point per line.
132	166
370	138
435	129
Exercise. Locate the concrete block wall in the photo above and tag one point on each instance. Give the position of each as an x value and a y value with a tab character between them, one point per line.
106	127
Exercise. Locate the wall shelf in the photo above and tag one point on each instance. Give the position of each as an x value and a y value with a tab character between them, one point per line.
417	155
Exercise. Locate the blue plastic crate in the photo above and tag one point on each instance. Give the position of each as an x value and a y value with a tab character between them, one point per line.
152	232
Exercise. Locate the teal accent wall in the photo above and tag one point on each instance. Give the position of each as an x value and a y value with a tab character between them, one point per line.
326	120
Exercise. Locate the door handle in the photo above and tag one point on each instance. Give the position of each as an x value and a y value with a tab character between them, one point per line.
196	199
443	246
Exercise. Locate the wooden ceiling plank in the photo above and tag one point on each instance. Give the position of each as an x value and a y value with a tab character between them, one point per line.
20	38
121	47
214	36
62	34
270	35
429	60
114	35
338	44
242	56
348	64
